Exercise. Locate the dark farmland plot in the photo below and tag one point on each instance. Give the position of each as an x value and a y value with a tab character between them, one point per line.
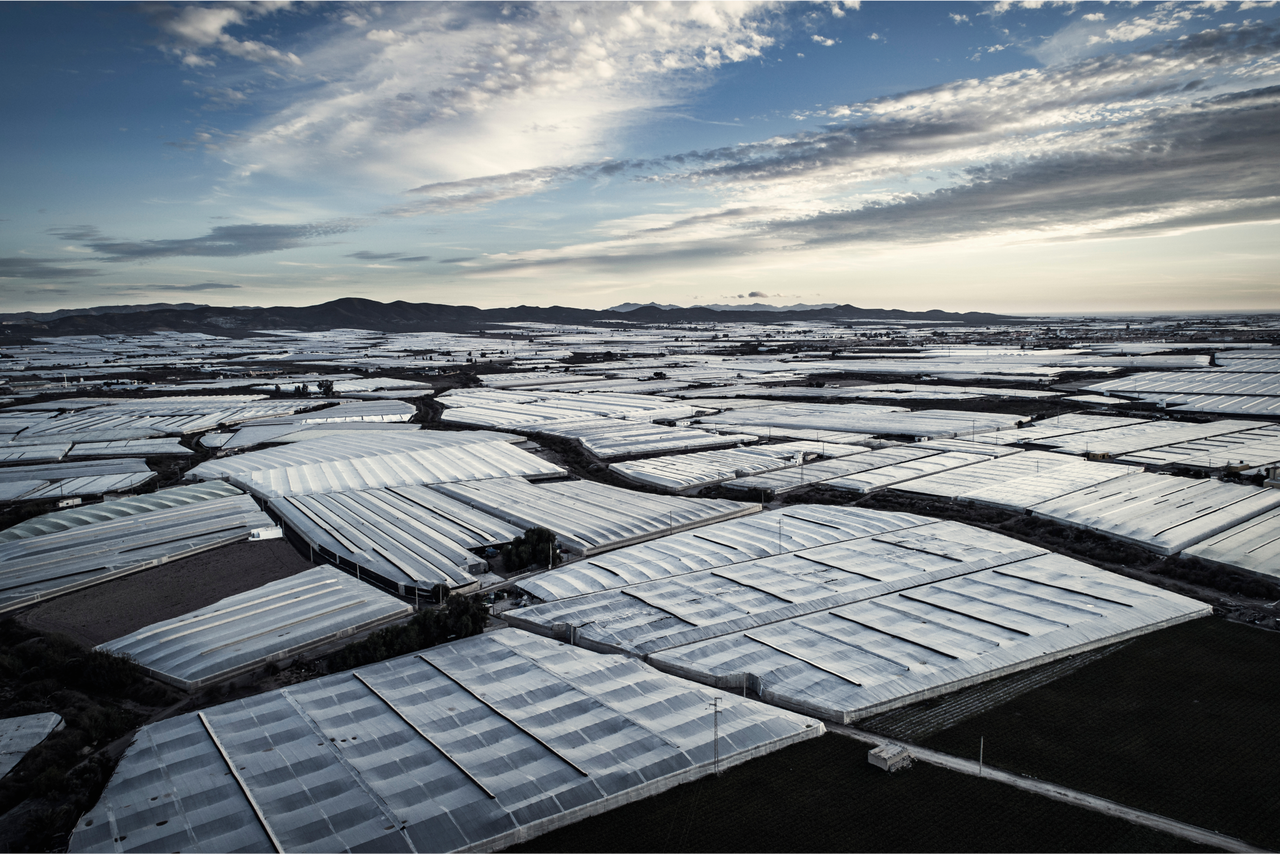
1179	722
822	795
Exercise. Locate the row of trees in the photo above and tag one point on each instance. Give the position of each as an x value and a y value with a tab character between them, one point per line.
537	546
461	617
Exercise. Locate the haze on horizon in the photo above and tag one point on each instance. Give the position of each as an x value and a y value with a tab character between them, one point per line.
1017	158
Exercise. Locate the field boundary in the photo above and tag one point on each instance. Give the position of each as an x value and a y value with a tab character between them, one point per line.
1190	832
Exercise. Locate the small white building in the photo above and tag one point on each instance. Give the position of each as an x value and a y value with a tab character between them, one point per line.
890	757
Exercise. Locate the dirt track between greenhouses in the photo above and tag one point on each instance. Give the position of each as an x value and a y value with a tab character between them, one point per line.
1190	832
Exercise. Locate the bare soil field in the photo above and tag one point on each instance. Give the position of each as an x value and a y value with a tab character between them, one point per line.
822	795
1176	723
116	608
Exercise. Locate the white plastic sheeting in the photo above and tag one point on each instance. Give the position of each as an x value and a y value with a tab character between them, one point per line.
473	745
375	411
88	485
610	438
1120	441
60	471
1162	513
897	474
1220	404
1019	481
650	617
1224	381
781	431
409	537
378	460
270	623
683	472
780	482
868	657
33	453
915	391
1253	545
61	520
862	418
18	735
35	568
260	434
518	410
60	480
590	517
163	415
1060	425
969	446
130	448
1246	449
802	526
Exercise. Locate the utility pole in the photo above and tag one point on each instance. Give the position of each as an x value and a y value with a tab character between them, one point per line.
714	705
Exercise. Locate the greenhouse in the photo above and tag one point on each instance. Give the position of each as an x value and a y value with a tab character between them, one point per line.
378	460
269	624
657	615
791	529
406	539
472	745
38	567
879	654
1253	545
589	517
1159	512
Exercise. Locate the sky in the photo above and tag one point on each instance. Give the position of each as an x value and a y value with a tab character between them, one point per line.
1035	157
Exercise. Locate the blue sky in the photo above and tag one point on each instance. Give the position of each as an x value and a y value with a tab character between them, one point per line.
1034	157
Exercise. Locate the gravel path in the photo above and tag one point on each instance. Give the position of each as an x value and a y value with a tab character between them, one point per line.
1182	830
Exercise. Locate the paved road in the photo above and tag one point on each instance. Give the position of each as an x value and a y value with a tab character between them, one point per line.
1059	793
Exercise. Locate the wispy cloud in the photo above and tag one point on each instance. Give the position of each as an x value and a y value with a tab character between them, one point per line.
428	93
21	267
193	30
1164	139
365	255
223	241
202	286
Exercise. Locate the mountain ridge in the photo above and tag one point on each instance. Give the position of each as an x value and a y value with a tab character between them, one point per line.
402	316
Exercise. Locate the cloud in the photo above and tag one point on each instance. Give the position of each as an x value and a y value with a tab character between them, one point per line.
825	42
20	267
457	260
388	256
486	88
474	193
203	286
758	295
193	28
1153	142
958	19
223	241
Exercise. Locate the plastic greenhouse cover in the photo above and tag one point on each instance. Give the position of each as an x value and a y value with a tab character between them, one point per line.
473	744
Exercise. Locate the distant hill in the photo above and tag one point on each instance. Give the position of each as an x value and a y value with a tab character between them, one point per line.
755	306
402	316
23	316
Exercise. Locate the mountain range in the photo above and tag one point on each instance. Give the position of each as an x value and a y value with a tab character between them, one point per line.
400	316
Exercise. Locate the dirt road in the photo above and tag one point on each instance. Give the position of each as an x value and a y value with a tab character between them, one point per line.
1059	793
